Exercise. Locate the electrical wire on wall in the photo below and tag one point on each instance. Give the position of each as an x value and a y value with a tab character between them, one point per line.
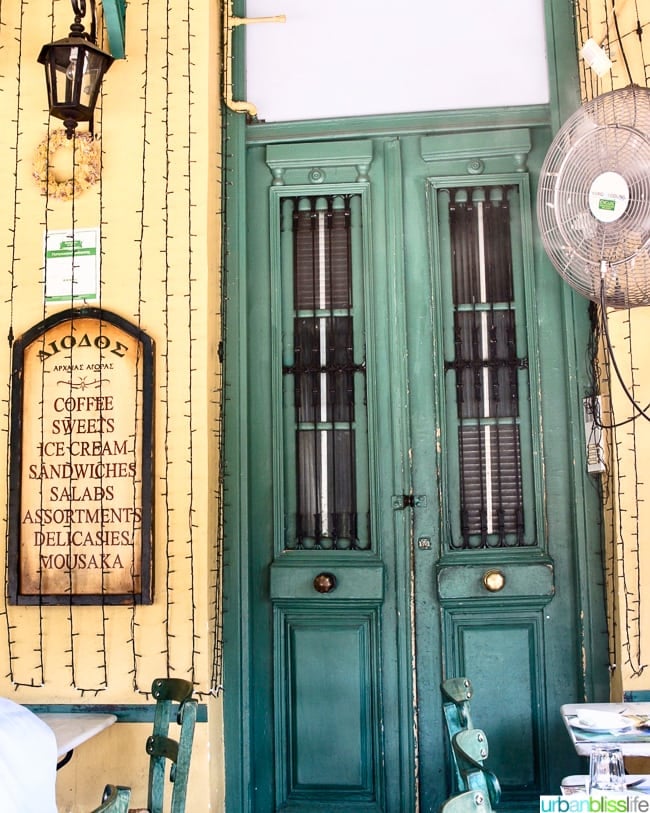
167	462
190	307
87	653
216	681
142	226
182	640
620	28
185	644
77	656
591	84
603	484
624	497
101	635
32	674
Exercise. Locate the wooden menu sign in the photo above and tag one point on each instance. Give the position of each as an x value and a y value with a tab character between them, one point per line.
81	501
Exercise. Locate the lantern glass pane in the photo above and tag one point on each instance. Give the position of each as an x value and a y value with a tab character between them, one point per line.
66	65
93	65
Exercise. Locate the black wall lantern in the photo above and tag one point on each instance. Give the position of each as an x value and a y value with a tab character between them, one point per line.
74	69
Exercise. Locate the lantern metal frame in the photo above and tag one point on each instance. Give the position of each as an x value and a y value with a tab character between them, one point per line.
74	69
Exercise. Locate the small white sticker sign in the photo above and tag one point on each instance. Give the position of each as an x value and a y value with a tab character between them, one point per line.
72	265
609	197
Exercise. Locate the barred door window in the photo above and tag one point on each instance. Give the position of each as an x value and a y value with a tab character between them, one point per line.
324	375
488	370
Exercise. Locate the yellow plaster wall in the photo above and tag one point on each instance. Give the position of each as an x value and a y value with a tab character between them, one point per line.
623	30
158	206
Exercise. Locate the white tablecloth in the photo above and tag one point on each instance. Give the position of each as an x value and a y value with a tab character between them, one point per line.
27	761
637	783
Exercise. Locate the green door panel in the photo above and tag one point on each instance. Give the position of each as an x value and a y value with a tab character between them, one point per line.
328	734
506	660
328	739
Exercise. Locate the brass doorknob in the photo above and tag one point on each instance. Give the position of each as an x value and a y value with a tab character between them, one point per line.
325	582
494	580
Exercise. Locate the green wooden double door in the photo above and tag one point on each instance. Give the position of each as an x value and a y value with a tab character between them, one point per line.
405	461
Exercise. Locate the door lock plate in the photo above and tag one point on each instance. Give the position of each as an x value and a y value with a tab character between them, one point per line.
401	501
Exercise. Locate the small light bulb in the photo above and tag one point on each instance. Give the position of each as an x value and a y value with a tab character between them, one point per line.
72	65
71	69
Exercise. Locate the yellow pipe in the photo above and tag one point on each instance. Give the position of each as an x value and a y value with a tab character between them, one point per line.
279	18
230	22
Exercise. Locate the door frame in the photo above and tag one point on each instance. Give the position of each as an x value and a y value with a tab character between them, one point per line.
237	592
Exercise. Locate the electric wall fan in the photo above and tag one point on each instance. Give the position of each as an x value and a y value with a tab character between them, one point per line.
593	202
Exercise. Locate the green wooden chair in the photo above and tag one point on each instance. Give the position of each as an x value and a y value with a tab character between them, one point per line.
163	749
472	801
471	750
456	694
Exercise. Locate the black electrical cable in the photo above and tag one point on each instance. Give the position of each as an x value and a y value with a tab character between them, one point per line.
642	411
620	42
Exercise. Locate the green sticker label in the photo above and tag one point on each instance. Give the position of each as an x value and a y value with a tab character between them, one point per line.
607	204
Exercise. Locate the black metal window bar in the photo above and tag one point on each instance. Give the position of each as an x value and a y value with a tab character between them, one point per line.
486	369
328	374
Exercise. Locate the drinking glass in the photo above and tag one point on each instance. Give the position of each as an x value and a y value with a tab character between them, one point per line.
606	769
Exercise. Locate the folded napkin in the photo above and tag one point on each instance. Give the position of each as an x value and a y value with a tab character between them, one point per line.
598	720
27	761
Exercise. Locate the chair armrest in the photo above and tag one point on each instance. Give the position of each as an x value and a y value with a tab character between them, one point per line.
115	800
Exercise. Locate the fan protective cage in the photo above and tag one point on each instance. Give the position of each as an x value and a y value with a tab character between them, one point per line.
593	200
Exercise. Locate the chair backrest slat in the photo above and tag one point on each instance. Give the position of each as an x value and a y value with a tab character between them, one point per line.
456	694
469	802
470	748
187	723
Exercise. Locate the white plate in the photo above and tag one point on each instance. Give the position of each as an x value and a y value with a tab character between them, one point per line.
578	782
593	720
599	729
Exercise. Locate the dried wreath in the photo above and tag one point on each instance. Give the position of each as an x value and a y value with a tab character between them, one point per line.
86	164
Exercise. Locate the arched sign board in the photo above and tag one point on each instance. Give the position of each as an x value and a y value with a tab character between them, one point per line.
81	465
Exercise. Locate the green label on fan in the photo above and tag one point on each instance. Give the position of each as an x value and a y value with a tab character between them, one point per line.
606	203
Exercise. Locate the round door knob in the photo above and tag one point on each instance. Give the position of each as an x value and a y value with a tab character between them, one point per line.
325	582
494	580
